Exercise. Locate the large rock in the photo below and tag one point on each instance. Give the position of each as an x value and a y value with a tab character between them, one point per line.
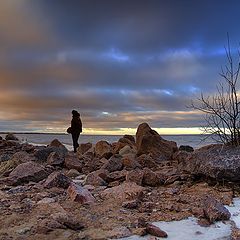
16	159
94	179
79	194
129	162
72	162
155	231
215	161
55	159
42	153
83	148
145	160
135	175
11	136
123	192
128	140
150	178
56	143
103	149
116	176
114	164
214	210
26	172
57	179
149	141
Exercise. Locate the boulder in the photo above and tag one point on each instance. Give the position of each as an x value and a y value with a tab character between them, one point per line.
94	179
55	159
72	162
79	194
130	138
11	136
155	231
117	146
136	176
129	162
127	140
16	159
43	152
145	160
68	220
114	164
57	179
5	157
127	150
56	143
125	191
215	161
116	176
83	148
1	138
103	149
186	148
149	141
214	210
26	172
150	178
72	173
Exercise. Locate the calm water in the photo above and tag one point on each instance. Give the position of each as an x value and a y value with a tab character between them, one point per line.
195	141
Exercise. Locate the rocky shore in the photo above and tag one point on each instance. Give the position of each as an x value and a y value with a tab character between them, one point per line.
113	190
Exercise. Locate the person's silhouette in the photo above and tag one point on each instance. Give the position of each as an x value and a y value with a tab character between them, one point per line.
76	128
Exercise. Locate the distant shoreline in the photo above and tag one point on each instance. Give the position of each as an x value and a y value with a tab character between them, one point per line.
39	133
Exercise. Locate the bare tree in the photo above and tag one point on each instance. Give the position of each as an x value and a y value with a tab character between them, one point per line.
222	110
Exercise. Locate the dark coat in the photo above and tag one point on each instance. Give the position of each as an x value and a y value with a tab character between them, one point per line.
76	125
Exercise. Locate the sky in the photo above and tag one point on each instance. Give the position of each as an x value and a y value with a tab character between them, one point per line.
118	62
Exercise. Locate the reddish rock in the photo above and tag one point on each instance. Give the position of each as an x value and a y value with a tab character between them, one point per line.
94	179
130	138
79	194
135	176
131	204
181	156
116	176
83	148
215	161
214	210
155	231
72	162
123	192
117	146
26	172
68	220
150	178
114	164
22	157
127	150
56	143
149	141
129	162
72	173
145	160
55	159
57	179
103	149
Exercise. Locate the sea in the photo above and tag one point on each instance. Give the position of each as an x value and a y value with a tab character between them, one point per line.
195	141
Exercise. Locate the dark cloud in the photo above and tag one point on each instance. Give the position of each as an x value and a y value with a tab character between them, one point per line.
119	62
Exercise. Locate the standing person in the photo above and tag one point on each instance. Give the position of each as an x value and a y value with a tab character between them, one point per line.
76	128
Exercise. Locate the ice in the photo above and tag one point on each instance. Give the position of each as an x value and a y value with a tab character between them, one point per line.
188	229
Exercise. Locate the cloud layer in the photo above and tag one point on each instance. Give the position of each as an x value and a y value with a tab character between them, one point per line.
118	62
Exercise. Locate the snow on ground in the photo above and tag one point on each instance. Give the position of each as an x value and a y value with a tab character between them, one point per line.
188	229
